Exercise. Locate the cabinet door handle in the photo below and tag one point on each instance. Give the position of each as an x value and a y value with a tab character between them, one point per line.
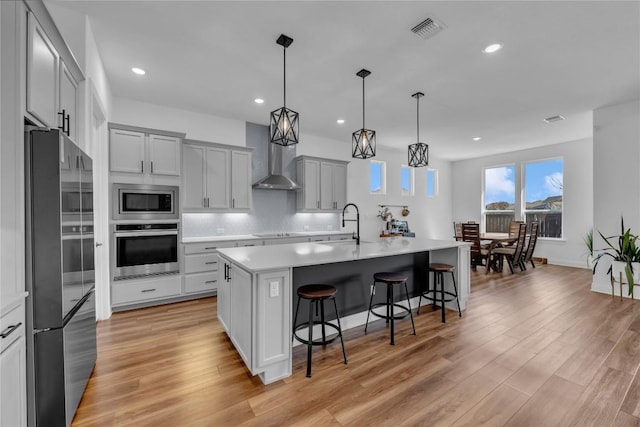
233	203
318	204
63	113
67	120
211	281
10	329
98	244
210	262
148	290
142	166
212	247
152	166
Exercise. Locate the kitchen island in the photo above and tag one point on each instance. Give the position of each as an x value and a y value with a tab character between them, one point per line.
257	284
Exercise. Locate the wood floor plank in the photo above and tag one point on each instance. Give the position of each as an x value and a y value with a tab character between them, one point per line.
541	333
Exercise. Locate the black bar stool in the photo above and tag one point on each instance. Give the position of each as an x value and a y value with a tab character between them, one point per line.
316	295
438	271
391	279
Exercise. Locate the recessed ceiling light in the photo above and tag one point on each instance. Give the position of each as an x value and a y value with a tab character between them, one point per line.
340	121
492	48
258	101
477	138
139	71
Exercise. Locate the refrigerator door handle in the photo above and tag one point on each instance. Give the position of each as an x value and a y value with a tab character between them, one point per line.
77	307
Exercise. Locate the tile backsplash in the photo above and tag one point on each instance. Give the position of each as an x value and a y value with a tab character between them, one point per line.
273	212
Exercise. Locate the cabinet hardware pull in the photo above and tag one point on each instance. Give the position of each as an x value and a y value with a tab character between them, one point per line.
67	120
152	166
148	290
210	262
212	247
63	114
142	166
10	330
211	281
253	244
233	203
98	244
318	204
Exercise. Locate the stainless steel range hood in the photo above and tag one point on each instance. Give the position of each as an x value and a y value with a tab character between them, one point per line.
275	180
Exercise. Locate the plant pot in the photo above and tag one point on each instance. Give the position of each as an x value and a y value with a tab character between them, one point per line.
617	268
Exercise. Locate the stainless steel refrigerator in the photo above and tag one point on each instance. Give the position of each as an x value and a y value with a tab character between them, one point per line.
61	325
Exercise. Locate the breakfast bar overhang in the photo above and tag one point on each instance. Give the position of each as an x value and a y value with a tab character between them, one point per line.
256	286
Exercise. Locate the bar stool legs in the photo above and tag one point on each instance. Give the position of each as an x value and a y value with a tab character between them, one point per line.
316	295
391	279
438	271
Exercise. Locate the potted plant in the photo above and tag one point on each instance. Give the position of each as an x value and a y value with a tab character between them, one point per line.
588	242
625	255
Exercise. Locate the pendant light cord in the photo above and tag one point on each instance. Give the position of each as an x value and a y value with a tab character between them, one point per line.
363	103
284	51
418	119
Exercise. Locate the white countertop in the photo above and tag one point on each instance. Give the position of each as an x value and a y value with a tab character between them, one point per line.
260	258
219	238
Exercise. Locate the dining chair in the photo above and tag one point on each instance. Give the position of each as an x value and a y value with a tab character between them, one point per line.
514	226
527	256
514	253
471	234
457	231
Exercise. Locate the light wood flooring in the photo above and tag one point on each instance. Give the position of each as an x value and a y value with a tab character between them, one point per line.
536	348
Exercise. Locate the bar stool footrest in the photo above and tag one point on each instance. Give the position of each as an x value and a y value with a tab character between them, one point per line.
406	312
453	296
319	341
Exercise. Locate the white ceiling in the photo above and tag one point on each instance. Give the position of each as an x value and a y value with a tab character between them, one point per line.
559	57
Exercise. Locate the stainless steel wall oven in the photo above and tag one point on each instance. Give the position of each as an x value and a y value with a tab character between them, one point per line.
144	202
144	250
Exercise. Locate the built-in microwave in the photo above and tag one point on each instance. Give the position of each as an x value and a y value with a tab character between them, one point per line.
144	202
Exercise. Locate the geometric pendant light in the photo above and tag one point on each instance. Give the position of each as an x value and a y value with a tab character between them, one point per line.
284	122
418	152
363	140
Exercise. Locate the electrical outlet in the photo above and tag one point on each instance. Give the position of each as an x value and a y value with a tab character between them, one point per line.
220	230
329	227
274	289
305	228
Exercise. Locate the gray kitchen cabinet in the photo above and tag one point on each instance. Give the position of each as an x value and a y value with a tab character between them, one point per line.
52	90
134	150
216	178
323	182
201	266
13	371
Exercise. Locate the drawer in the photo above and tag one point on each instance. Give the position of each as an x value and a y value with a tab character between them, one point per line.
201	282
132	291
12	324
200	262
205	247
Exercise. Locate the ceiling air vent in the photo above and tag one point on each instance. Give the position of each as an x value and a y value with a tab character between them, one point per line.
428	28
554	119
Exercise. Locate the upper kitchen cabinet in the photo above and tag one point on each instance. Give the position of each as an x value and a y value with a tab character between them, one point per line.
216	177
52	87
142	152
323	184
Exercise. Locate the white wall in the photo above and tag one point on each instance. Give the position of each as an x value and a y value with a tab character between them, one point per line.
616	147
577	198
199	126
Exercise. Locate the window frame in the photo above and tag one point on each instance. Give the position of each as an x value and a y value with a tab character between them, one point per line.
523	203
383	177
484	210
412	181
436	183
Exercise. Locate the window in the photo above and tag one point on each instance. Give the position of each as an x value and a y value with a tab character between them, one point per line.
377	177
543	188
432	182
499	198
406	181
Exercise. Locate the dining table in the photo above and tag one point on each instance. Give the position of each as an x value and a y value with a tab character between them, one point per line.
490	241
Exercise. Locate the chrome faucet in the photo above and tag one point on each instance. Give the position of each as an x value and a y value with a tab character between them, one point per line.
357	221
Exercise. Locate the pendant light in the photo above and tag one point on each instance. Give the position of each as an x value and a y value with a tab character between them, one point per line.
418	152
284	122
363	140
